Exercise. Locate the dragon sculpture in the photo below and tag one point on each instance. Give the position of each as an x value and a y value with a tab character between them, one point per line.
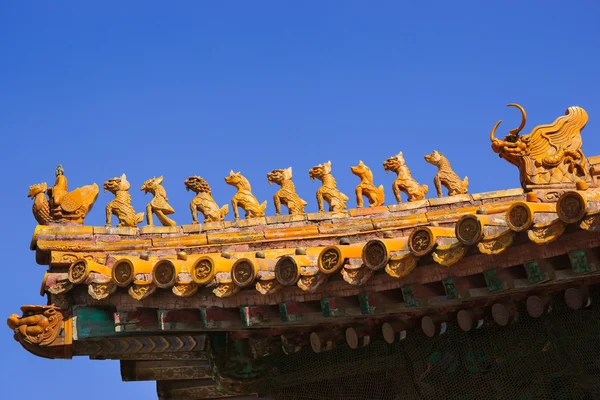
328	190
287	194
204	202
550	153
446	176
375	195
40	325
159	204
121	204
61	206
404	182
244	197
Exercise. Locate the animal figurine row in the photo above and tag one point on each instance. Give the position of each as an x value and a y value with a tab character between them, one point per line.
64	207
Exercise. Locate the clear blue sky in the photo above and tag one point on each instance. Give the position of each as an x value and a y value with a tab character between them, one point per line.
188	88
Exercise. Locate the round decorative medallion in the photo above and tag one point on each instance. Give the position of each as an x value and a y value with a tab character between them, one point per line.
375	255
518	218
571	208
78	272
122	273
468	230
330	260
202	270
164	274
287	271
420	241
242	272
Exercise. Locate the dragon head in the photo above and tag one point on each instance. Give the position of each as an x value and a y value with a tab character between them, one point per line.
36	189
279	176
115	185
513	135
197	185
151	184
434	158
320	171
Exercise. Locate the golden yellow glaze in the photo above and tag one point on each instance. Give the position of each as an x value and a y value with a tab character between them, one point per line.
422	240
572	206
289	267
203	202
404	183
377	252
375	195
401	266
328	190
469	229
550	153
81	269
449	255
159	204
60	205
121	205
207	266
332	258
140	291
519	216
293	232
43	330
546	233
496	244
590	221
244	197
287	194
446	176
244	271
357	276
166	272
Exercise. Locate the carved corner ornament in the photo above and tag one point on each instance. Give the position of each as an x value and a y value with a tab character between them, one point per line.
44	331
446	176
404	183
375	195
287	194
58	205
244	198
328	190
121	206
159	204
203	202
550	154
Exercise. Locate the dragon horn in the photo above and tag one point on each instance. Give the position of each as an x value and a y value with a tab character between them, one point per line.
516	131
492	137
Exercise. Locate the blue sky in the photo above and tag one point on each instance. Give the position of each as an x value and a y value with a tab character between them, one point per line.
194	88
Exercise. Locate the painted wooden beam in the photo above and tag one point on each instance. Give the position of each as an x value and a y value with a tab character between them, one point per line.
165	370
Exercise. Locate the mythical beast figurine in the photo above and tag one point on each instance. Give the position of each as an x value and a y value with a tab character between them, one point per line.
61	206
550	153
446	176
244	197
43	331
121	204
204	202
328	190
287	194
404	182
375	195
158	205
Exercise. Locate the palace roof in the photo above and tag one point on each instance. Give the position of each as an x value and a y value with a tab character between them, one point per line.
152	293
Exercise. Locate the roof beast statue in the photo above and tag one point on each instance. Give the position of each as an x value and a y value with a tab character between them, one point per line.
550	153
